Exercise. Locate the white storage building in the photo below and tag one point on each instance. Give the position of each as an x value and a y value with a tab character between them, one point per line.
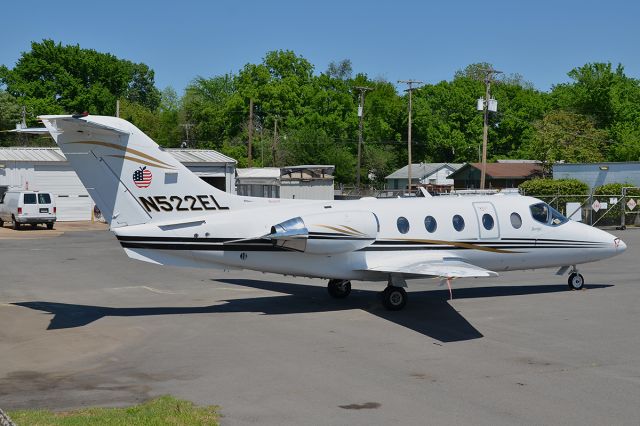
47	169
309	182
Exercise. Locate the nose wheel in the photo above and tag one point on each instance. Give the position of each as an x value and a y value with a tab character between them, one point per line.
576	281
339	289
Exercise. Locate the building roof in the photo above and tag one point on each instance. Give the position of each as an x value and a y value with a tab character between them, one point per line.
421	170
188	155
500	170
40	154
31	154
259	173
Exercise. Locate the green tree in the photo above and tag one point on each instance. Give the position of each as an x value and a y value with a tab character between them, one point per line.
569	137
52	78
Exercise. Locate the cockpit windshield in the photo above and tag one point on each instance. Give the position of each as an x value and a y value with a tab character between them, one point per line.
544	213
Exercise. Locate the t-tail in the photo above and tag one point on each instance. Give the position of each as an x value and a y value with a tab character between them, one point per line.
131	179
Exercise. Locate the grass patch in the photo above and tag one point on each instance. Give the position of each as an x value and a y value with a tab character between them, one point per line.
164	410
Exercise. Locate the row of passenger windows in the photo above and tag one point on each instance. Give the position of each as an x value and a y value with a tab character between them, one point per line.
430	223
541	212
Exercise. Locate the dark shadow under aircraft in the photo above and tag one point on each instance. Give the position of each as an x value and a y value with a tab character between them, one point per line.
433	316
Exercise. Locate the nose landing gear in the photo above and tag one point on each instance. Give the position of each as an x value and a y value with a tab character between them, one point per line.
576	280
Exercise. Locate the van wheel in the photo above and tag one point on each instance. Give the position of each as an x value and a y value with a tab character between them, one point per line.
16	225
1	223
49	225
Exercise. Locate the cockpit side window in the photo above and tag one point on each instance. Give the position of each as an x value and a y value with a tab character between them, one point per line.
556	217
544	213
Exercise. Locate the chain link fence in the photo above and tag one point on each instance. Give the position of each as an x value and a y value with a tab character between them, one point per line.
5	420
620	210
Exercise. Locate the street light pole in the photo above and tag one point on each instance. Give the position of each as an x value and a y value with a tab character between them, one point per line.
410	83
362	90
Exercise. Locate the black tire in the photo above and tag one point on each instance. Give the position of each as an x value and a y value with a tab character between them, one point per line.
49	225
575	281
1	223
394	298
339	289
16	225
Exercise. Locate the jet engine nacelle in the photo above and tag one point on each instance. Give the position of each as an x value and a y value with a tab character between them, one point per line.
326	233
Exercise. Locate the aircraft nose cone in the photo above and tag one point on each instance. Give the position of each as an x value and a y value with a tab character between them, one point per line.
620	245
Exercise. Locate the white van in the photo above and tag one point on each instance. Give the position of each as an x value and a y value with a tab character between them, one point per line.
32	207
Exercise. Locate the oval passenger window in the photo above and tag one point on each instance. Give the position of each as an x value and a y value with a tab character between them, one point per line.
487	221
516	220
430	224
403	225
458	223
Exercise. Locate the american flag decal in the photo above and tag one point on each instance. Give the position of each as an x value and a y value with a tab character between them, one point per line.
142	177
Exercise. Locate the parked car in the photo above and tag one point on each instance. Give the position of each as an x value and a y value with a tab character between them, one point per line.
32	207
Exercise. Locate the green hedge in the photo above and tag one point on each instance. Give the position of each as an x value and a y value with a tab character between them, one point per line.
552	187
616	189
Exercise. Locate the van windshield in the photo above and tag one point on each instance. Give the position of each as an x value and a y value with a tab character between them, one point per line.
544	213
29	199
44	199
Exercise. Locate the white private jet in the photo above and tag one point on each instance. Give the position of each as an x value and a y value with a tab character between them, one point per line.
164	214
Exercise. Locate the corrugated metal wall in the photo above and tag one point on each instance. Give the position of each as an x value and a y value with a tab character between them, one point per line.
598	174
312	190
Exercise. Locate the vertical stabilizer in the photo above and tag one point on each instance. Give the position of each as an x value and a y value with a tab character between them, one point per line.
131	179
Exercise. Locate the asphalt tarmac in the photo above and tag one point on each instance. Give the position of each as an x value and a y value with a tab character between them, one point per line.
82	325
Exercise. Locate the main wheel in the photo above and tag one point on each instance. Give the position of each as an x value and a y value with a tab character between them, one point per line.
394	298
49	225
339	289
576	281
16	225
1	223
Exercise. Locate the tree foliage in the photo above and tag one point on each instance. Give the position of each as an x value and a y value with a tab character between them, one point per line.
53	78
303	116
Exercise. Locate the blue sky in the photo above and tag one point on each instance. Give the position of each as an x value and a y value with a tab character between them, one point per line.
423	40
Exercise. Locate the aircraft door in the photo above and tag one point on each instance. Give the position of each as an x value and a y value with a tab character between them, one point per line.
487	220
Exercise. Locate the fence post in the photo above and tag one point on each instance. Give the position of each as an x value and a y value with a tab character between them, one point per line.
623	205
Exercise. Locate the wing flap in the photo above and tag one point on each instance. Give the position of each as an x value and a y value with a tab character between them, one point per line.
446	268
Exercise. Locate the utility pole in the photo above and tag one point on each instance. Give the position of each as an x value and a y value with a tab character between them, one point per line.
410	83
362	90
488	78
118	108
275	140
249	155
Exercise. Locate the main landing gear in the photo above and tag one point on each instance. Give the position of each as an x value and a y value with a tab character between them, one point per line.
339	289
394	297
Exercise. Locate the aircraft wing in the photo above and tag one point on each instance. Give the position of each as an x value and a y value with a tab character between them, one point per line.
445	267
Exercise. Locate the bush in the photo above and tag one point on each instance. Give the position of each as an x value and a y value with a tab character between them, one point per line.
552	187
616	189
556	192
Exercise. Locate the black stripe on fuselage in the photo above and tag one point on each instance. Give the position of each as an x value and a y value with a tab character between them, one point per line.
262	245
